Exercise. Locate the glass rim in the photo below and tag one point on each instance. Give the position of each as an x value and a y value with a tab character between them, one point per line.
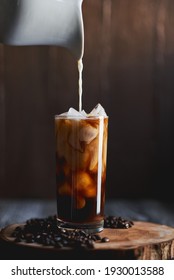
80	118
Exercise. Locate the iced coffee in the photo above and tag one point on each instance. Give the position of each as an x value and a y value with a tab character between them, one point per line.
81	151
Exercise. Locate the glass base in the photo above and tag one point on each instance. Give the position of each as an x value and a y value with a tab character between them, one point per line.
88	228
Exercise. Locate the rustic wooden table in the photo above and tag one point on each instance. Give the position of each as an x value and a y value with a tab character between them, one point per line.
18	211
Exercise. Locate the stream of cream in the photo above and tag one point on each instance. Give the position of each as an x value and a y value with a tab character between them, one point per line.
80	69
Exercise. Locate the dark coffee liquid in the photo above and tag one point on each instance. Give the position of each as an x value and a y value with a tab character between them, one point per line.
81	169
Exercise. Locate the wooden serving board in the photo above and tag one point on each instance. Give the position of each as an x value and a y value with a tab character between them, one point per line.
142	241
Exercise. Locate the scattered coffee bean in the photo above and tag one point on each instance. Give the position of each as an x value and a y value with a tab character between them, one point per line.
50	232
59	245
18	239
105	239
90	243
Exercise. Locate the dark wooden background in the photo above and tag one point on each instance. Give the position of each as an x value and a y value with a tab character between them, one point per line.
128	68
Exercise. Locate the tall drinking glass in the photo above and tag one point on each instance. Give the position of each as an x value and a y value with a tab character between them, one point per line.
81	152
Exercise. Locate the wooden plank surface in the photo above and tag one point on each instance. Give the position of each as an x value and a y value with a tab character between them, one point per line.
144	240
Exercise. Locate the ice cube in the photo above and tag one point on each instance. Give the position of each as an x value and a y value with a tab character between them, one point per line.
88	133
83	180
73	113
80	202
98	111
93	152
85	185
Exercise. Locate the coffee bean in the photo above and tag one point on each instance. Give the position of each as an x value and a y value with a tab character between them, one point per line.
14	234
18	239
97	237
105	239
82	233
65	242
93	238
57	238
59	245
90	244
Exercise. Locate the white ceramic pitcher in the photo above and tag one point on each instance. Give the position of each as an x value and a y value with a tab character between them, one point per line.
43	22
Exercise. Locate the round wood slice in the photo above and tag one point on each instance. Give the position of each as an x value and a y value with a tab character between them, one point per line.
142	241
